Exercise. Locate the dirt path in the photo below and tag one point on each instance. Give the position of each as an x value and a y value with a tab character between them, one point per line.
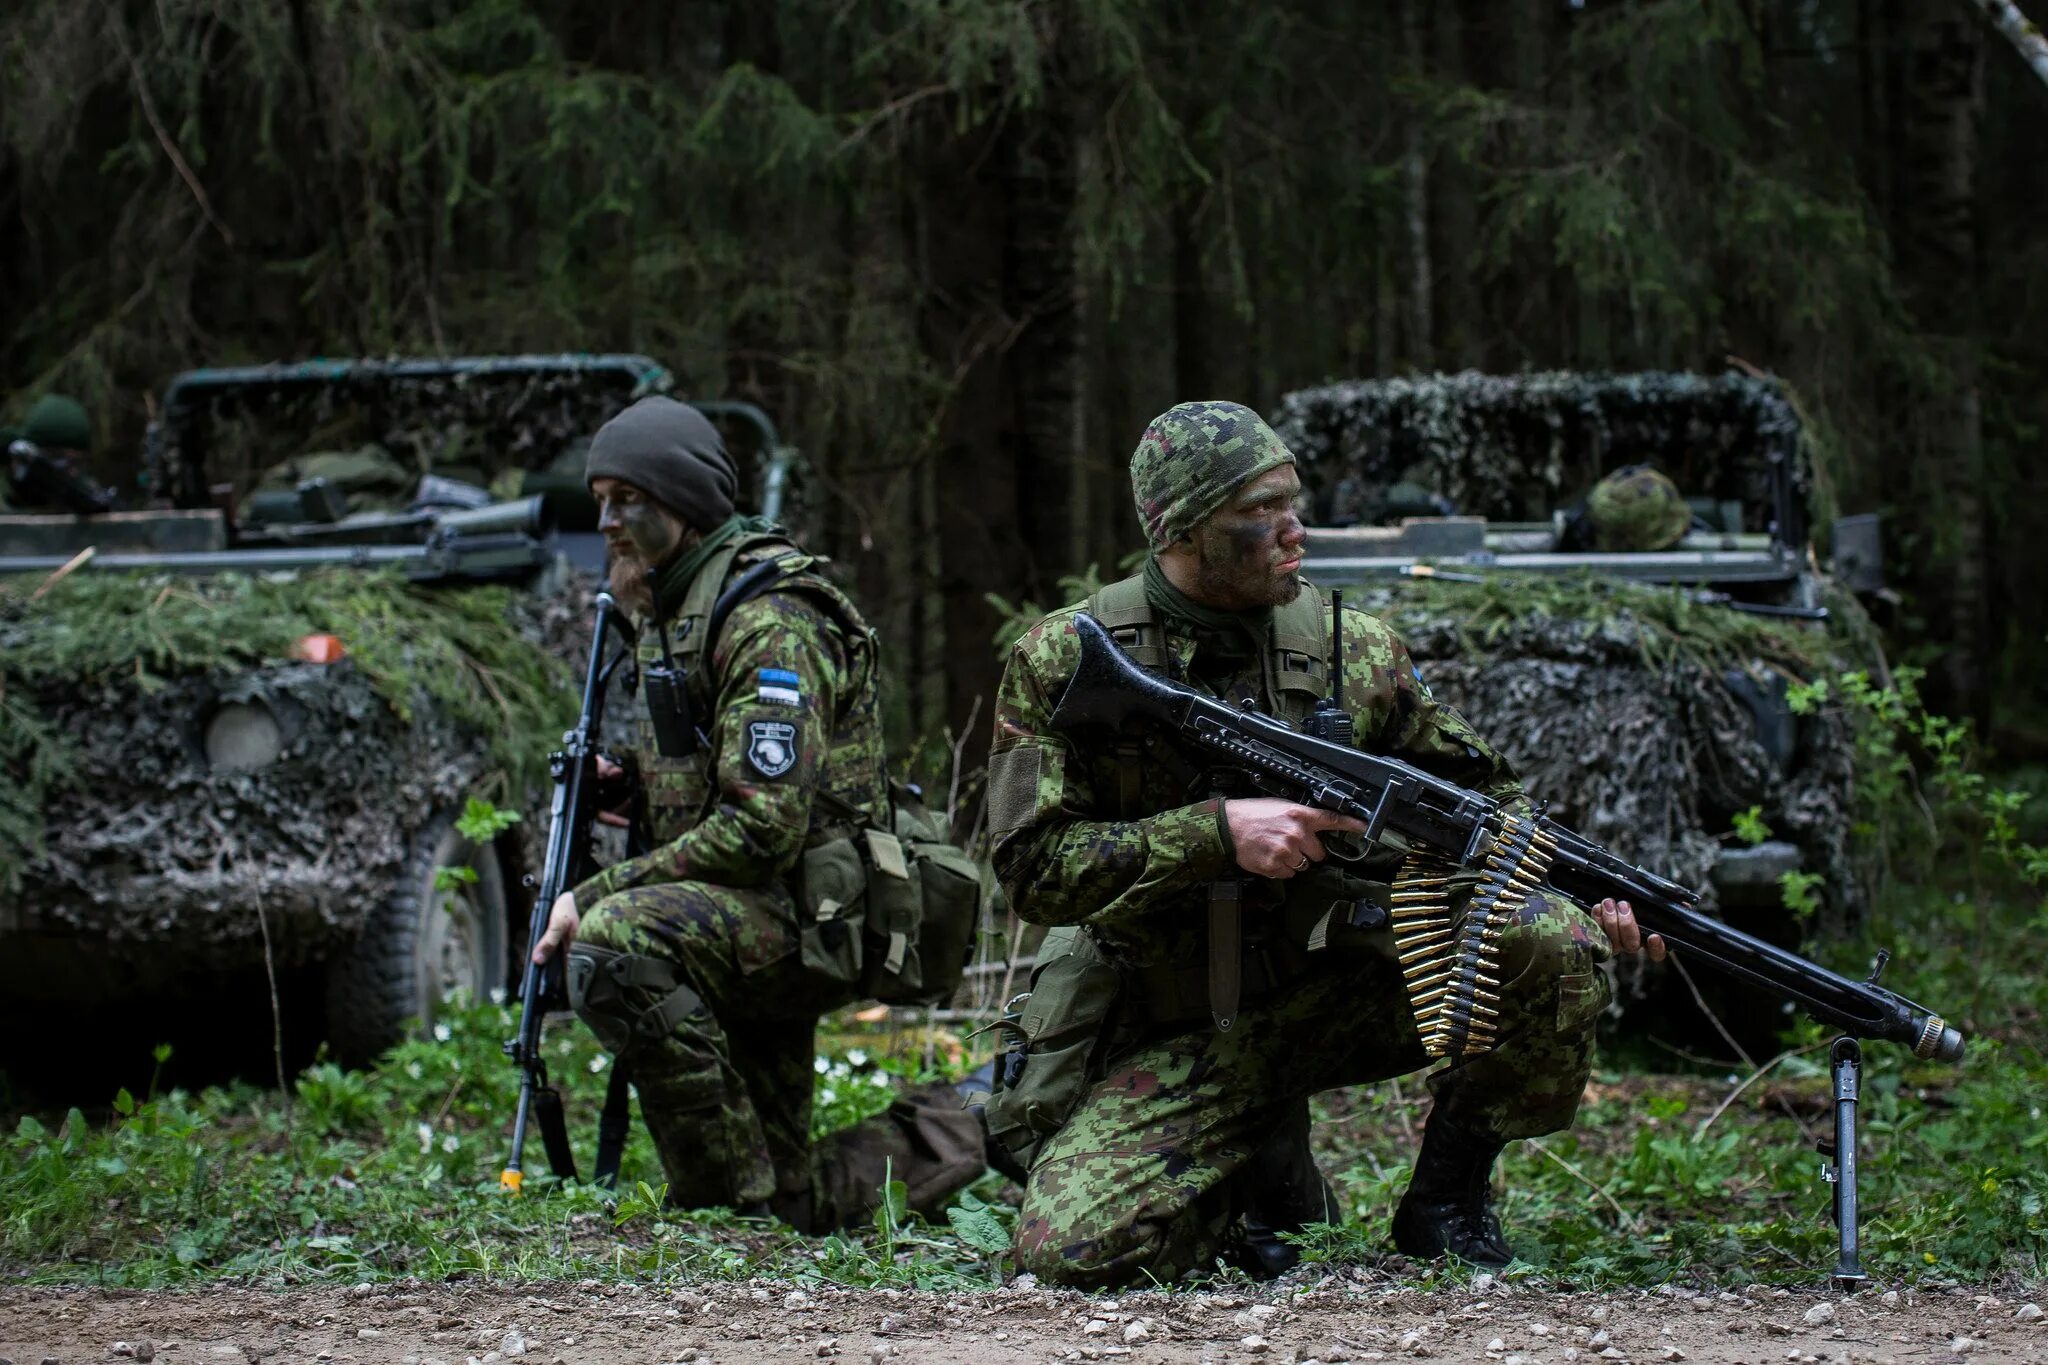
1339	1317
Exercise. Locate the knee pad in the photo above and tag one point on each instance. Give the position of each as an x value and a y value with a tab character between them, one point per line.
629	1000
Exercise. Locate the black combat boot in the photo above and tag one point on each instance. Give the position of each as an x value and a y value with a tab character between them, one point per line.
1448	1209
1282	1191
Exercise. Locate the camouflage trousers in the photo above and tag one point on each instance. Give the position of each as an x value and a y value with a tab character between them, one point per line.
1140	1182
701	992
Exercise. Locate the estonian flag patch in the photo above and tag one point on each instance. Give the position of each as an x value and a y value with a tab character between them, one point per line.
778	687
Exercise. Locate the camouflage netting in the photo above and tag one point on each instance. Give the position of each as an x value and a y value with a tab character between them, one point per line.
444	694
1610	701
1517	447
1613	700
476	426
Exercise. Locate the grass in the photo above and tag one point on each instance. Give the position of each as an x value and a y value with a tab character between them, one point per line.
392	1172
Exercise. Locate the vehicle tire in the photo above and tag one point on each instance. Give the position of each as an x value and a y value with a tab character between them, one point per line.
418	947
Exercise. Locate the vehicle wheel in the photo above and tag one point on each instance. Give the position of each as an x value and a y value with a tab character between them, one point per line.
419	947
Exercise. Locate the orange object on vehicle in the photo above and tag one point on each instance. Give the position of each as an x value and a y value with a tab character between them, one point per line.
320	649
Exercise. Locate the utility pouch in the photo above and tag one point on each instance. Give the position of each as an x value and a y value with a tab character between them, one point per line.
1061	1027
894	910
925	897
832	906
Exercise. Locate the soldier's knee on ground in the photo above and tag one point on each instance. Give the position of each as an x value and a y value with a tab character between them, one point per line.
1550	964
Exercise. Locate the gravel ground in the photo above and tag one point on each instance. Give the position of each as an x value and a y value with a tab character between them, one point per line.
1324	1317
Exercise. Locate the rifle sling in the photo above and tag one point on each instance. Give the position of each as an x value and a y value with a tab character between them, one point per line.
554	1132
612	1127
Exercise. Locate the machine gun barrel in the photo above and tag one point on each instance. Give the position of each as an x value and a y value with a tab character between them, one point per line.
1390	796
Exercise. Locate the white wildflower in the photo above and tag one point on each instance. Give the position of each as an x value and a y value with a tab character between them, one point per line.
856	1057
597	1064
450	1143
497	995
426	1138
827	1095
442	1033
822	1065
415	1070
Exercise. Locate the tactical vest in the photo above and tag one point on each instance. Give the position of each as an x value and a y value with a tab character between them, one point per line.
679	791
1296	670
887	904
1296	666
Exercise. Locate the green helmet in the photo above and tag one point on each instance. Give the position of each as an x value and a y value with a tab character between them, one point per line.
58	422
1637	509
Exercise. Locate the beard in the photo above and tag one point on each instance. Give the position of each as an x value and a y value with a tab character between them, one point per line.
1239	578
628	575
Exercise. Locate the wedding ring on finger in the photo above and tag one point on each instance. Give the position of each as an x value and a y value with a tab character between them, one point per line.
1302	866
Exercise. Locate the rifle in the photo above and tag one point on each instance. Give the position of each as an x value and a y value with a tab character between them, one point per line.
541	986
1517	853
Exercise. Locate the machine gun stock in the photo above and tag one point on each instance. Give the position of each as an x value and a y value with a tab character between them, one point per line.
1463	827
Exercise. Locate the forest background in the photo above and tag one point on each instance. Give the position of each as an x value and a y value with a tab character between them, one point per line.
963	249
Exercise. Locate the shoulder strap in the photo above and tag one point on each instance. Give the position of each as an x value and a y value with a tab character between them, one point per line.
1299	649
1128	617
694	626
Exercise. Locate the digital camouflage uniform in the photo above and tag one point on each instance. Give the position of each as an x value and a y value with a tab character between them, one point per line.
1139	1180
688	963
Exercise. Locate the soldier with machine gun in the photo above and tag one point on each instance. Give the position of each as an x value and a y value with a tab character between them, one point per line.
1215	967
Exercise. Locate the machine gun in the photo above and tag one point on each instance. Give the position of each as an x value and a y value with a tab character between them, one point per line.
1516	853
502	540
41	478
542	985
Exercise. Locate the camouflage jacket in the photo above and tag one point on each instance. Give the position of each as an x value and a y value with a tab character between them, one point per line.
1068	850
788	703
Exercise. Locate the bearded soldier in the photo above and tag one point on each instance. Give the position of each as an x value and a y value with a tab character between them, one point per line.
691	961
1214	969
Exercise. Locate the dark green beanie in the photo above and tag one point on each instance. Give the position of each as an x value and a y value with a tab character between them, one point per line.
58	423
1192	458
671	452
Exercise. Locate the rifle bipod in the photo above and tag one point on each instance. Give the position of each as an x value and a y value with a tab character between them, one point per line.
1838	1162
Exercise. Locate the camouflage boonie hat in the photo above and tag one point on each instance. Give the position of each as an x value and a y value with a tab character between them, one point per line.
1191	458
1637	509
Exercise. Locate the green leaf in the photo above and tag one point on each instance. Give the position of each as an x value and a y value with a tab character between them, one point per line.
980	1229
124	1103
481	821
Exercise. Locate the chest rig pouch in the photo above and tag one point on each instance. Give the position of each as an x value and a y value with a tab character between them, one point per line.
1260	935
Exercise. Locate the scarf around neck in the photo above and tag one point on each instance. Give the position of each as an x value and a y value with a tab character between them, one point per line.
673	583
1224	636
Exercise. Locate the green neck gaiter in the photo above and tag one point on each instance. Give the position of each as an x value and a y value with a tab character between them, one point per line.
672	584
1221	637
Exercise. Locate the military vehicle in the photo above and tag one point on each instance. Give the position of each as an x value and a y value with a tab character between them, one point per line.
241	722
1641	693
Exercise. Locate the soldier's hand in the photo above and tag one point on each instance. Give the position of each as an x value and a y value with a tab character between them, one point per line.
1618	919
612	788
1277	838
561	930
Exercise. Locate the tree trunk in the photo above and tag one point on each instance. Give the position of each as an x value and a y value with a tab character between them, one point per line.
1042	297
1415	181
1943	89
